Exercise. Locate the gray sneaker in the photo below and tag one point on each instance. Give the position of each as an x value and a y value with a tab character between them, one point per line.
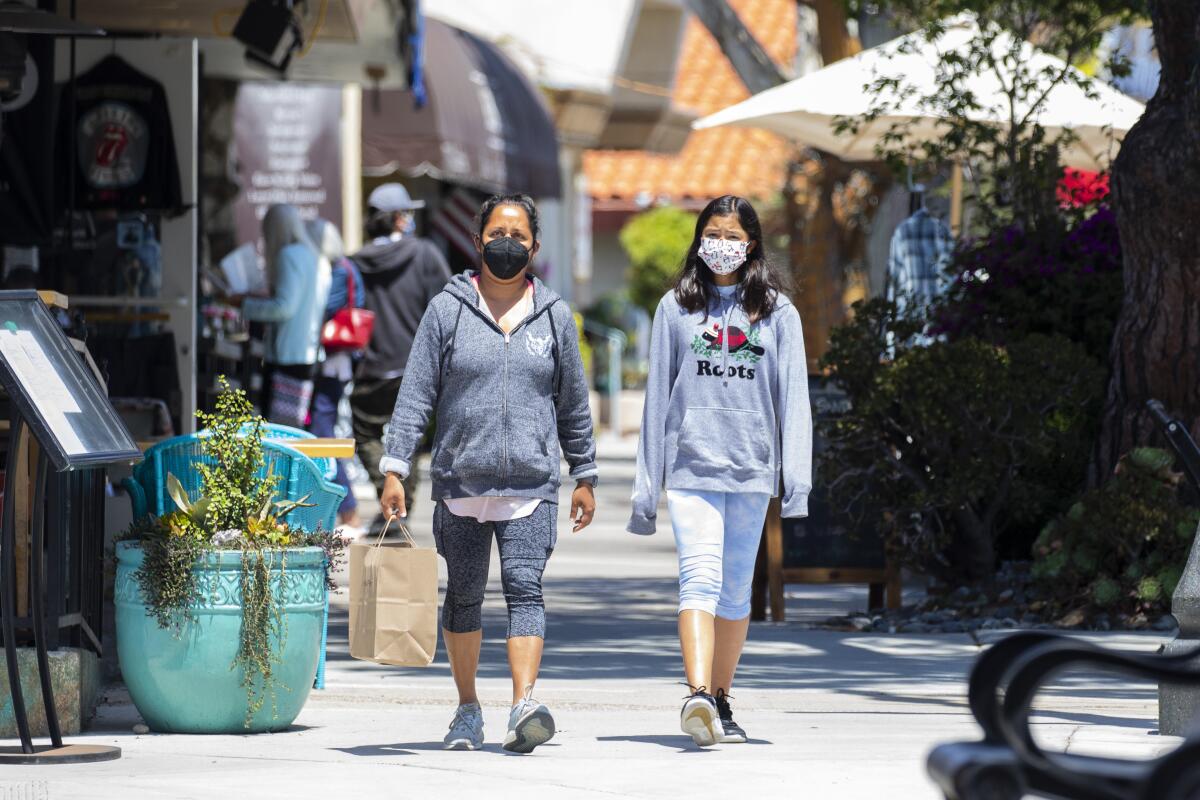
466	729
529	724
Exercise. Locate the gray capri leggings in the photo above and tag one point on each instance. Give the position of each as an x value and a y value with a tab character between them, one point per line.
466	545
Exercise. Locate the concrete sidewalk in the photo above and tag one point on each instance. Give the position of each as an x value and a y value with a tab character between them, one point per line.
830	715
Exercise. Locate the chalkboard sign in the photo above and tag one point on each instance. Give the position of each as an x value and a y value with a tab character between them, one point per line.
826	538
57	397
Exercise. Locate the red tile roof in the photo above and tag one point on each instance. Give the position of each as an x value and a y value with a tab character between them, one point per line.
717	161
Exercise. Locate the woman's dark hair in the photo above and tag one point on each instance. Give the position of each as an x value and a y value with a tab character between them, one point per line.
760	287
522	200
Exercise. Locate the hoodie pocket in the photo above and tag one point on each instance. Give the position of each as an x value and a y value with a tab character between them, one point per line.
529	443
472	450
715	441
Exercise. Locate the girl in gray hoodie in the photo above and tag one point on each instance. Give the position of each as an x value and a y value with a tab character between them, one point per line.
726	417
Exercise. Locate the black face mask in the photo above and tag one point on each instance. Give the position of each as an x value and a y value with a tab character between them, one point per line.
505	257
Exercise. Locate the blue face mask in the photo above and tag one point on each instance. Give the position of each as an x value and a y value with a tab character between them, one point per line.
409	226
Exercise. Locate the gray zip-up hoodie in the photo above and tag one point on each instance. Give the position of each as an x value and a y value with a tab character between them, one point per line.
499	424
726	406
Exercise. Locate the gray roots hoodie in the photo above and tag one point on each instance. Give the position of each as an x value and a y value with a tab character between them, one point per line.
726	406
503	405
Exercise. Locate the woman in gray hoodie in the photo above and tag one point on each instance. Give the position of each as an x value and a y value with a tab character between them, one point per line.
496	360
726	416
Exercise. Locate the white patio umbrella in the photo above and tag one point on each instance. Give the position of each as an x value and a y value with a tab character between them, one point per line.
806	109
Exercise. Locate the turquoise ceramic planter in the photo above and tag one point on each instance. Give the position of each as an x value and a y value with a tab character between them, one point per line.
184	681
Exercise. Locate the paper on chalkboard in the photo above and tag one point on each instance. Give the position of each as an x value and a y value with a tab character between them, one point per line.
42	382
243	271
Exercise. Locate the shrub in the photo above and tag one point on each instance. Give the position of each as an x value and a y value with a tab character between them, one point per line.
1122	547
949	447
656	242
1064	282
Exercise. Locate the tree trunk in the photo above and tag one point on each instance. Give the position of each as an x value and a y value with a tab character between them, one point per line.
836	41
1156	347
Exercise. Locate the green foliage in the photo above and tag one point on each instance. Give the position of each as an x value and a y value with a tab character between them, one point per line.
234	456
171	546
263	629
949	446
1134	533
586	353
236	511
656	242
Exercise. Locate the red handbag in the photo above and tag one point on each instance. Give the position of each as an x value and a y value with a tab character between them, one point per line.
349	328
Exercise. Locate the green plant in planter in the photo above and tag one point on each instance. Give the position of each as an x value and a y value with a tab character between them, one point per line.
236	511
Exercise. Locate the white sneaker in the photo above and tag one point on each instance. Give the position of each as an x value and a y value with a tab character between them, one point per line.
529	725
466	729
701	720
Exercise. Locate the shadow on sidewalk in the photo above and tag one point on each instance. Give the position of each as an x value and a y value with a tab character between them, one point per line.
624	629
677	742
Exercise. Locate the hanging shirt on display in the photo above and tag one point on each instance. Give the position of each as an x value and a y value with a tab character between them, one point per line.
124	150
920	250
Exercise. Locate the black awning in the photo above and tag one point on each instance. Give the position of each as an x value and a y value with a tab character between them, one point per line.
484	125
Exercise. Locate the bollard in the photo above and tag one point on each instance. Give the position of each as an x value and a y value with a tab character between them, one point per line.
1179	705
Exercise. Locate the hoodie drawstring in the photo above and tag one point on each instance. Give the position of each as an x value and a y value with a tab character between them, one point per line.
554	355
725	343
454	339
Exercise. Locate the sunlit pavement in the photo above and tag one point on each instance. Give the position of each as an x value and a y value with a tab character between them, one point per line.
829	714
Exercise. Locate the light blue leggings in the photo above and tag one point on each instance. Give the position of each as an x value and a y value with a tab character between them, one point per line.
716	535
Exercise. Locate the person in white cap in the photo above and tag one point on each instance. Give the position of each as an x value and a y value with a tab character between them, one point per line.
401	274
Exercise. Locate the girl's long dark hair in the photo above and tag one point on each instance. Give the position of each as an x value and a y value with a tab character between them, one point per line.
760	287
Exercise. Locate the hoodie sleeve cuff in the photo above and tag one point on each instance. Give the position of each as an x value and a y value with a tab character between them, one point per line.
795	506
586	472
640	524
397	465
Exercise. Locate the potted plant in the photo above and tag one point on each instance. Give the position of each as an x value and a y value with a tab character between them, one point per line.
220	603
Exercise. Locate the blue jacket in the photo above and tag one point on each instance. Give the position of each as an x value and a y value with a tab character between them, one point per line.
297	309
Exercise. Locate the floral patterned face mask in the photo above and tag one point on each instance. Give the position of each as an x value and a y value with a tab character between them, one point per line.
723	256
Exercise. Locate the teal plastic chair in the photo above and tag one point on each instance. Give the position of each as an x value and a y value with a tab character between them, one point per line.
274	430
298	476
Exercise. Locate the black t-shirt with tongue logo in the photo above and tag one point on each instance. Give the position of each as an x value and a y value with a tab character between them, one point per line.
124	153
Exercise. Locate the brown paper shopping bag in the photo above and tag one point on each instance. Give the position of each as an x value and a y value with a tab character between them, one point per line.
393	602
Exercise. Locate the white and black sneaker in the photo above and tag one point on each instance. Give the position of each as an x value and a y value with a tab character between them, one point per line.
731	731
700	719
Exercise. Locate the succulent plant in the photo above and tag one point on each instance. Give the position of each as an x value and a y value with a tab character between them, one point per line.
1153	460
1105	592
1149	590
